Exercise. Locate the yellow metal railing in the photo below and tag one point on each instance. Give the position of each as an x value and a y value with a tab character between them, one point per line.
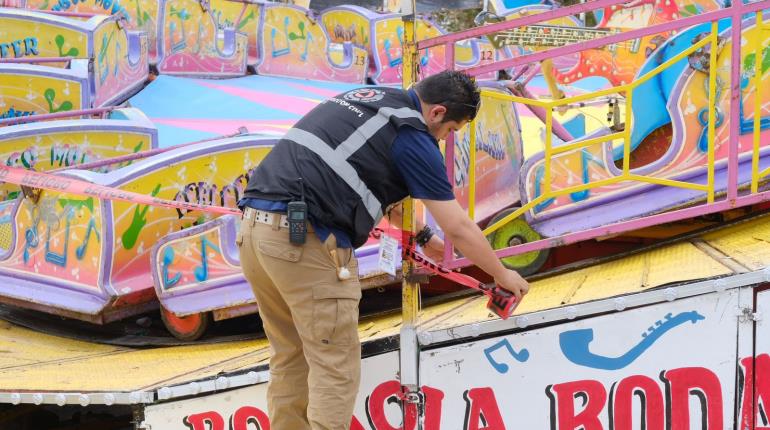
625	135
756	175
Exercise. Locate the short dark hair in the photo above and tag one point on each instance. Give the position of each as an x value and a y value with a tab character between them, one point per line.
454	90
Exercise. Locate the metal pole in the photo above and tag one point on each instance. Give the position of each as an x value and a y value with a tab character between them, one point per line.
410	295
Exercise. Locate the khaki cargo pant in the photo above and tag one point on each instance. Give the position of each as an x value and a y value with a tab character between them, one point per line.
311	320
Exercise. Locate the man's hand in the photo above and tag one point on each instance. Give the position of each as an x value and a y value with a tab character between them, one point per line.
434	249
513	282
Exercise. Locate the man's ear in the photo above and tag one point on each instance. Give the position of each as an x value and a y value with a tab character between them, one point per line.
437	113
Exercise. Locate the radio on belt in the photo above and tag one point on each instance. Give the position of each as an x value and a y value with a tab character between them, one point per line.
297	215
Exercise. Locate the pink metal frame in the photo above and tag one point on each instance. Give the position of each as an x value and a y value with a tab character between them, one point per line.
731	200
57	115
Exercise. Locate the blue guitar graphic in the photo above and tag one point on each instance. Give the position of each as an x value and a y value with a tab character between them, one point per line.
575	343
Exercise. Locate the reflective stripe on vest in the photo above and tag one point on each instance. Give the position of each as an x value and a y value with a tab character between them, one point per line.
337	159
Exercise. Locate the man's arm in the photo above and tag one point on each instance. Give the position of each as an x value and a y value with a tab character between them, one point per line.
469	239
434	249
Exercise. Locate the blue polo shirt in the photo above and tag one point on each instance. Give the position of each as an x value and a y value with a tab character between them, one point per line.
416	156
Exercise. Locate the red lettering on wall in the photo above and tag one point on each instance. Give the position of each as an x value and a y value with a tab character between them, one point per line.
563	396
204	421
385	394
700	382
388	393
650	396
249	415
434	398
481	409
356	425
756	391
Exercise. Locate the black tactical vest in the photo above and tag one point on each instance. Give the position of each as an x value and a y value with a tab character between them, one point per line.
342	151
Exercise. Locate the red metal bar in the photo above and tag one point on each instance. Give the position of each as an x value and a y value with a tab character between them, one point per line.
46	116
518	22
620	227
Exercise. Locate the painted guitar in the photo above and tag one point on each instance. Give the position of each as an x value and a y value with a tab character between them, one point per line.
618	63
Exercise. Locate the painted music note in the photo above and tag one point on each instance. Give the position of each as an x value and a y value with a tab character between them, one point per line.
178	43
117	59
246	20
308	39
199	39
521	356
273	33
59	259
575	343
142	17
78	204
31	237
168	258
104	64
72	52
80	251
393	61
424	59
585	159
202	272
50	96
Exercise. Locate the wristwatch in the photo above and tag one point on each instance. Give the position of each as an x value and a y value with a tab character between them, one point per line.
424	236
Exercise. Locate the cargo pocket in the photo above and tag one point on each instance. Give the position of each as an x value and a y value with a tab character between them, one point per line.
280	250
335	313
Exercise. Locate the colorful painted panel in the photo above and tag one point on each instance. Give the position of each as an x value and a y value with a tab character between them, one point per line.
524	40
58	240
60	237
67	144
190	42
388	38
194	256
293	44
243	18
27	90
620	62
120	63
198	269
685	158
140	15
383	35
26	34
498	159
210	173
120	56
214	172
